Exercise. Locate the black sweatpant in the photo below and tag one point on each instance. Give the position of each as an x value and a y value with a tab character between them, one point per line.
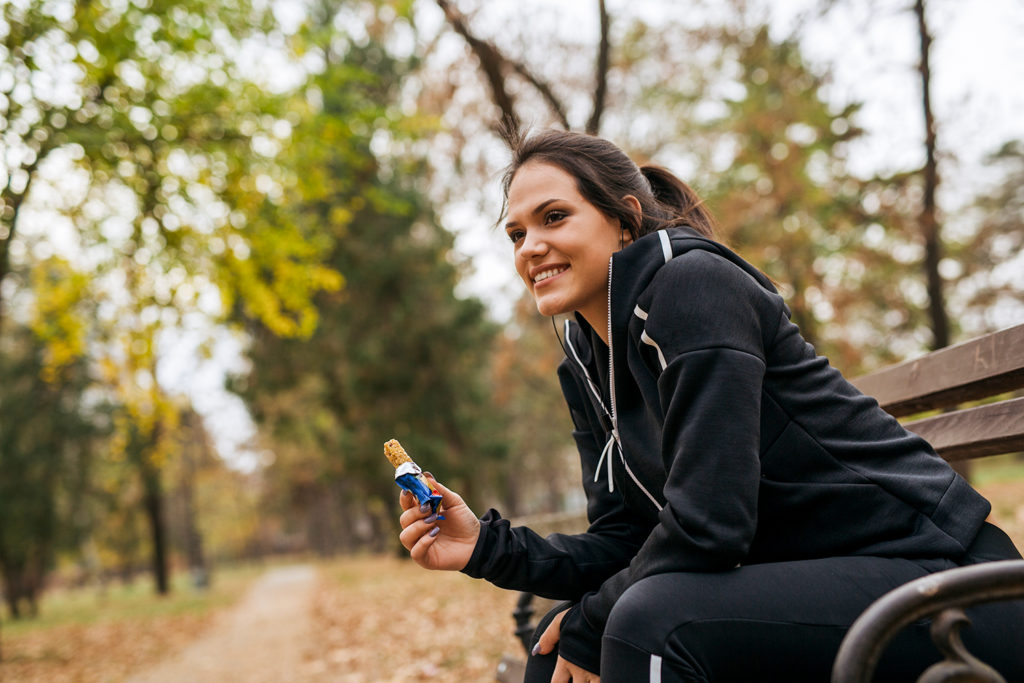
784	622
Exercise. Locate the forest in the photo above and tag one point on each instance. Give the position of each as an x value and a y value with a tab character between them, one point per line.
243	243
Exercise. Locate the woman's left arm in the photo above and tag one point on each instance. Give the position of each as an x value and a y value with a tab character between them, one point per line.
709	319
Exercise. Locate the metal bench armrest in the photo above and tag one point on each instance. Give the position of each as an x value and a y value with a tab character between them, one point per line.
942	594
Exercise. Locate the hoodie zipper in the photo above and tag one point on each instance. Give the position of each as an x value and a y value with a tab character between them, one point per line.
611	397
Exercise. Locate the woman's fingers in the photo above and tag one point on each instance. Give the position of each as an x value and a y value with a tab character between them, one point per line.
414	513
415	522
561	673
419	552
417	531
448	497
566	671
549	638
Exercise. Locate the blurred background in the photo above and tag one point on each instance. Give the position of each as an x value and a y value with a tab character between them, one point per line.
245	242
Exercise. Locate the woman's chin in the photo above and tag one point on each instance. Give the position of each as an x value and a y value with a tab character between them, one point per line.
547	307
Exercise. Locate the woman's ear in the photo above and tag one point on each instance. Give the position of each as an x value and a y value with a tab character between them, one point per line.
634	204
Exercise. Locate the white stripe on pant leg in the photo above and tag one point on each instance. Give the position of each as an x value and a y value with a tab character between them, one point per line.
655	669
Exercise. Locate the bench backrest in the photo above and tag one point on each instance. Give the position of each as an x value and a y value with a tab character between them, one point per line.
978	370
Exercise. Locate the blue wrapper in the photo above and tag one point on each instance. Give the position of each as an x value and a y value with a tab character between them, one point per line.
410	478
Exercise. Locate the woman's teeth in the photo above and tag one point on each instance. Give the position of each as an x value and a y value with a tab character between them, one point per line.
548	273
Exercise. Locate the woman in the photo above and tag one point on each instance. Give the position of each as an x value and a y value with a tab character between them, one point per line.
746	503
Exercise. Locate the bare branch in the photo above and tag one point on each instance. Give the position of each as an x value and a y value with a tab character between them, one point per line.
492	63
557	108
495	65
601	71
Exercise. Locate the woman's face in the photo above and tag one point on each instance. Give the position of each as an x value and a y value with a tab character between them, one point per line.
562	243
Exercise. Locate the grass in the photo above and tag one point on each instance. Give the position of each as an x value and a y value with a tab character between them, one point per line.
135	601
999	468
1001	480
94	634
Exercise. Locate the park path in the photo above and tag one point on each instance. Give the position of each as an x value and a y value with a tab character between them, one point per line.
262	640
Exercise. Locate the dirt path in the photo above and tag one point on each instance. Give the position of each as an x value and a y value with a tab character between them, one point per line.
263	639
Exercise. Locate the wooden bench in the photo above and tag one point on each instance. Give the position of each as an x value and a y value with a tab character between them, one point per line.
959	399
980	373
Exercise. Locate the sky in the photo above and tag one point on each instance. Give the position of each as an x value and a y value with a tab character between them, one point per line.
978	66
978	97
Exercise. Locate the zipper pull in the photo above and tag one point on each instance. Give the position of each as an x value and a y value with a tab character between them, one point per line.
606	456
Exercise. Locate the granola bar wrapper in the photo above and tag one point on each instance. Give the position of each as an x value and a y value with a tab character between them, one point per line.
409	476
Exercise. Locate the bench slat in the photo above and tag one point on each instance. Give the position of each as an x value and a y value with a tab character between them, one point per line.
975	432
972	370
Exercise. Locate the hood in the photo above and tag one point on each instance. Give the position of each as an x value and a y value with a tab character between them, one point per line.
633	268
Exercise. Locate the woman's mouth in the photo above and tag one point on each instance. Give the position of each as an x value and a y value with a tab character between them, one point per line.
548	274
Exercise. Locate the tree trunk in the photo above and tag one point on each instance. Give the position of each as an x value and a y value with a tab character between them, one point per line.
930	227
11	595
193	538
153	503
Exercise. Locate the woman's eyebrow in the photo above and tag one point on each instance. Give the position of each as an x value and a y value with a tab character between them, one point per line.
538	209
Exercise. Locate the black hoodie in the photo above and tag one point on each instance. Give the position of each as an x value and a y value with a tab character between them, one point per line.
728	442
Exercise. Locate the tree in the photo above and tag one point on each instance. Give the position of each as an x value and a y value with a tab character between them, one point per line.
396	353
47	438
929	221
177	144
195	455
859	258
786	200
547	471
940	280
988	286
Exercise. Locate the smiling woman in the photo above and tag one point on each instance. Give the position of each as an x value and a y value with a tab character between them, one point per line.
562	243
746	503
582	212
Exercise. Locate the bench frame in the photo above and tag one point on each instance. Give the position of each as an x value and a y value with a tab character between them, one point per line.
980	370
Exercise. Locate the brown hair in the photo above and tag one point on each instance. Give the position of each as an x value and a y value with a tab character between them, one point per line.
605	176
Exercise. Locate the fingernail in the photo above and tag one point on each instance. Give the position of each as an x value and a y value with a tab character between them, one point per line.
431	519
428	474
425	507
535	650
435	531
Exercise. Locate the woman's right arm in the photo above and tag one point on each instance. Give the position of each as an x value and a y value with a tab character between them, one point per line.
563	566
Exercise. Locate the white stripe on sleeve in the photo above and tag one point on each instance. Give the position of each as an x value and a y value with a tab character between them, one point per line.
650	342
666	245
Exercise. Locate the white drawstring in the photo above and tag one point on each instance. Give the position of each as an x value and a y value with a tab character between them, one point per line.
613	438
606	453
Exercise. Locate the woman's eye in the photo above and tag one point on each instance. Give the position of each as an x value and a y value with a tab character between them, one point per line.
515	235
554	216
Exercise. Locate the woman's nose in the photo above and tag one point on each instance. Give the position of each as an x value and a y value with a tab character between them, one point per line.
533	245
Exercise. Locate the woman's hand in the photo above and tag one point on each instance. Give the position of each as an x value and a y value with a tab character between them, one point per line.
439	544
565	670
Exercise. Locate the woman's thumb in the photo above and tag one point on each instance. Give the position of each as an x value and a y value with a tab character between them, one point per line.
448	497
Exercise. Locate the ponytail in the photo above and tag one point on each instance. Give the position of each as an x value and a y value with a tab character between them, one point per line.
679	200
